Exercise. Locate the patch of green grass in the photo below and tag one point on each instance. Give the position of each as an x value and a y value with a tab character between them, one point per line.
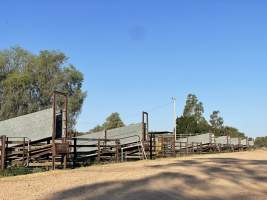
15	171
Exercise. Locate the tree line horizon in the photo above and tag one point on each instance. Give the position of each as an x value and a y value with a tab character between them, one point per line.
191	122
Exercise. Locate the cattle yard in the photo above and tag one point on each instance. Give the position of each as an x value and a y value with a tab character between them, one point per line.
42	139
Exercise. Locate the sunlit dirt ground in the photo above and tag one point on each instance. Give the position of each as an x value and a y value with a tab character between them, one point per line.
241	175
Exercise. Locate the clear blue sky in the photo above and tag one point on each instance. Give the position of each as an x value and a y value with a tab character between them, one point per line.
135	55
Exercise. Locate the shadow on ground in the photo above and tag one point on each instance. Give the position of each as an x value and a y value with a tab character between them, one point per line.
179	185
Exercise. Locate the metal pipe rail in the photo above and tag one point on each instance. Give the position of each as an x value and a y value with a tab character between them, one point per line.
136	145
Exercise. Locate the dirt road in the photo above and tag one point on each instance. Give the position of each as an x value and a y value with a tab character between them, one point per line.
236	176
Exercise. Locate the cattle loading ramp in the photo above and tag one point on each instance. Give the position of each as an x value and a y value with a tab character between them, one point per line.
116	144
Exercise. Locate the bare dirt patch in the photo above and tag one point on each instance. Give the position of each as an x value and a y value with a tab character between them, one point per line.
241	175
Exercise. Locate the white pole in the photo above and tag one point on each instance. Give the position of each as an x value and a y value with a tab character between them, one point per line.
174	117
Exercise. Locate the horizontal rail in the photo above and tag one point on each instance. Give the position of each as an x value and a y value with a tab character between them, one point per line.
95	139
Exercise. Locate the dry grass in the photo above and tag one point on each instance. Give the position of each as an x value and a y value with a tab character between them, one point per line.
236	176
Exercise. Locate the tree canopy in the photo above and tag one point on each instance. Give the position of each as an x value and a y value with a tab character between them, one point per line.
193	122
112	121
261	141
216	122
27	82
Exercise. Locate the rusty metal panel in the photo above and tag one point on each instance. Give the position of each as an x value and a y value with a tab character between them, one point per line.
35	126
62	148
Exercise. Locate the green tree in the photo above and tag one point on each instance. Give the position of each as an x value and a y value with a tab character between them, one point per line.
27	82
233	132
189	125
261	141
97	129
192	120
216	122
112	121
193	107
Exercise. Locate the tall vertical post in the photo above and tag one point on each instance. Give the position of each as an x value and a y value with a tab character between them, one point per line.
174	124
98	151
23	153
65	126
117	156
66	116
74	151
150	146
3	152
145	125
105	131
54	131
174	117
28	152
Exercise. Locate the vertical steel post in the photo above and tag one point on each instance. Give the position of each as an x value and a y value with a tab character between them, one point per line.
117	150
145	125
3	152
150	148
28	153
23	153
54	131
65	126
174	117
105	131
98	151
75	152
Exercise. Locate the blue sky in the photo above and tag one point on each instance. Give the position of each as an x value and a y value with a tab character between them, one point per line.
136	55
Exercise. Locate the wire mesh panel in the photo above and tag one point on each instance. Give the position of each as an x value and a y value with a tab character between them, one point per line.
165	146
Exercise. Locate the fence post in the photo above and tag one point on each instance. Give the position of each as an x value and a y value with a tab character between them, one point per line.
23	153
74	152
180	149
150	147
3	153
28	153
174	147
98	151
117	151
